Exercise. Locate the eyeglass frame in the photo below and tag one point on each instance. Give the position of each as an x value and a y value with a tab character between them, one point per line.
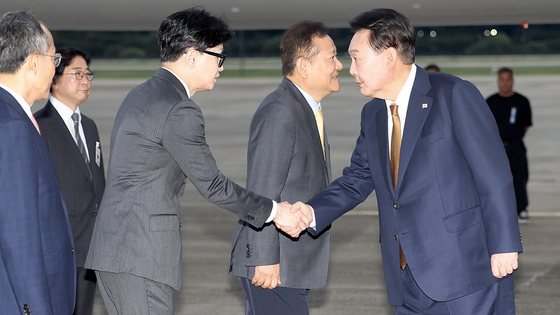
89	75
222	57
57	58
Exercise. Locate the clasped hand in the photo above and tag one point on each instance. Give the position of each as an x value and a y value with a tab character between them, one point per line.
293	220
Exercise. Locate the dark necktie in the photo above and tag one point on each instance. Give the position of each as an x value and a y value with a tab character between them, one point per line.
80	143
395	156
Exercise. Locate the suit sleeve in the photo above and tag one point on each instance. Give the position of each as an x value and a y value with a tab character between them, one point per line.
21	243
270	151
185	140
478	136
346	192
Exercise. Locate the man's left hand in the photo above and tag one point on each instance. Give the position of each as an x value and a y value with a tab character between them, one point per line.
503	264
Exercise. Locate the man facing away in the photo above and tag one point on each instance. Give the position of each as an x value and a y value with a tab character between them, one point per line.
157	143
77	159
288	160
37	262
513	116
430	148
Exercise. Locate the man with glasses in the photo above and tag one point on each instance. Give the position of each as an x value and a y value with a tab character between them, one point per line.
157	143
37	262
73	143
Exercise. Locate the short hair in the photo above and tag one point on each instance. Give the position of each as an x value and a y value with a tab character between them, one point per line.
192	27
298	42
505	70
68	55
20	35
388	28
432	67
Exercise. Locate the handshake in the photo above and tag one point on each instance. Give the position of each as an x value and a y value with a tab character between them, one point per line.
293	219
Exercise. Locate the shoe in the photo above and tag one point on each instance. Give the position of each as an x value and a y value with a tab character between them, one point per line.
523	217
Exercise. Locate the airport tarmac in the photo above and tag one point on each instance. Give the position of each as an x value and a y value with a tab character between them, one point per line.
355	284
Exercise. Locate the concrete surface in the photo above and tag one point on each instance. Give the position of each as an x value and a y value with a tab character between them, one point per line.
355	284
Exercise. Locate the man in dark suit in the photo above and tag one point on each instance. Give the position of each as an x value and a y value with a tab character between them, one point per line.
288	160
37	262
448	227
157	143
77	159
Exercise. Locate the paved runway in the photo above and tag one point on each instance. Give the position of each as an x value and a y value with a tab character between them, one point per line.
355	284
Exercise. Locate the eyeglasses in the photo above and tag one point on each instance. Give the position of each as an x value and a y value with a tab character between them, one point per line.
56	58
79	74
222	57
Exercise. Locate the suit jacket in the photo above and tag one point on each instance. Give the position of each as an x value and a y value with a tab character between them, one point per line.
81	193
454	205
37	263
157	143
285	162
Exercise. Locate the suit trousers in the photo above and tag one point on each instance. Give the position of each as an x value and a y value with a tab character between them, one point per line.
496	299
85	291
127	294
278	301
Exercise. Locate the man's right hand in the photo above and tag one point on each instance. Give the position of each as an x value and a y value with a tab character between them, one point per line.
267	277
293	222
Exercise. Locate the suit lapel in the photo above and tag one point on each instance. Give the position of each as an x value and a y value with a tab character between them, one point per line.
310	120
12	102
419	107
89	133
61	132
383	143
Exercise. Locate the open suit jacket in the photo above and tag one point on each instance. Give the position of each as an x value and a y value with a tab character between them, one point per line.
285	163
454	205
37	263
81	193
157	143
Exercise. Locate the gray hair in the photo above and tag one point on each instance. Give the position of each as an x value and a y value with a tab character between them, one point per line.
20	35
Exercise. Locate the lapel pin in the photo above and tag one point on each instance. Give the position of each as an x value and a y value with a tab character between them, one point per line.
425	105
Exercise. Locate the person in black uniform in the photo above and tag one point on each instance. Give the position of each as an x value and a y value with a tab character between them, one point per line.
513	116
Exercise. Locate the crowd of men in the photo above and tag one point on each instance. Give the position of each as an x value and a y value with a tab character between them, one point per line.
447	210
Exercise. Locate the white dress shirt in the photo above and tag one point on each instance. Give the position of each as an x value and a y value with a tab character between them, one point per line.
66	114
402	101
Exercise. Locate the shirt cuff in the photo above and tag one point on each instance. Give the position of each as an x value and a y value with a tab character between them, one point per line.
273	212
313	223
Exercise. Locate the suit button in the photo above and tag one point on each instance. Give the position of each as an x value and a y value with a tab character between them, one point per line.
250	217
396	205
180	224
396	237
72	251
94	214
248	251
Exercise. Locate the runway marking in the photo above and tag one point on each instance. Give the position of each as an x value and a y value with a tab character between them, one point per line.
538	275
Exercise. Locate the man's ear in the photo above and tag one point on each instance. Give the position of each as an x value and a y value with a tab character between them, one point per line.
302	67
32	63
191	57
54	86
391	56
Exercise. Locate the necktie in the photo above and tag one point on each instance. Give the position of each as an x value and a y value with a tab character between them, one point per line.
395	155
35	123
80	143
320	127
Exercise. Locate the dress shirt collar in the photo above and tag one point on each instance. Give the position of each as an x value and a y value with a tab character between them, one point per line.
404	95
64	111
26	107
180	80
310	100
